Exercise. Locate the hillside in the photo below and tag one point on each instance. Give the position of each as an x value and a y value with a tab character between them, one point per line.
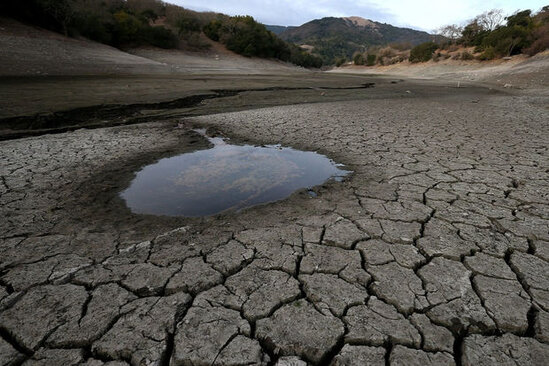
154	23
27	50
516	72
341	37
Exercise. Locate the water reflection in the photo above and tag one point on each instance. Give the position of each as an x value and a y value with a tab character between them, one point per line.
225	177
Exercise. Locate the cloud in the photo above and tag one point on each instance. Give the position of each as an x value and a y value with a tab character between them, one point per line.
290	12
420	14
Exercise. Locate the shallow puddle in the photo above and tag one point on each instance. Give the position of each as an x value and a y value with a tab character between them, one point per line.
226	177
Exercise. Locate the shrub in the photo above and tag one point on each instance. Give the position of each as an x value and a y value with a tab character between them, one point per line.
423	52
243	35
488	54
371	60
541	42
358	59
340	61
187	23
93	28
159	37
126	28
467	56
508	41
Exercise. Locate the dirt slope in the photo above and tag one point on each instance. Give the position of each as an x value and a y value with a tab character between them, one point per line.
27	50
518	72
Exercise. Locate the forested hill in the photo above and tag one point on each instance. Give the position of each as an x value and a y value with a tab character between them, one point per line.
341	37
133	23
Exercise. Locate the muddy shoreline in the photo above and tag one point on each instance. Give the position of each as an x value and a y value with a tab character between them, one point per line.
214	101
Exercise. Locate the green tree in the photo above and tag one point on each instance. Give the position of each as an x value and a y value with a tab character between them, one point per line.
473	34
358	59
423	52
126	27
187	23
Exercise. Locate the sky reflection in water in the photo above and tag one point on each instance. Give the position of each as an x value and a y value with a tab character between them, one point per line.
225	177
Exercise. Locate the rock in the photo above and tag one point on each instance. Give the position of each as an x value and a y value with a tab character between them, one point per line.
346	264
441	239
360	356
207	331
542	249
95	275
48	357
57	305
449	291
181	244
381	191
299	329
403	210
219	296
312	234
290	361
490	241
435	338
506	301
400	232
275	248
241	351
533	271
541	326
195	276
92	362
378	252
403	356
490	266
54	270
103	308
398	286
146	279
376	323
330	292
507	350
262	291
229	258
8	354
343	234
141	334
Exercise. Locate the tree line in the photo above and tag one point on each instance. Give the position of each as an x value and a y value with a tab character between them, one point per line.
494	35
245	36
491	35
131	23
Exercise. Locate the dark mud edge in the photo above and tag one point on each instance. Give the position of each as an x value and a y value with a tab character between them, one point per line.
118	114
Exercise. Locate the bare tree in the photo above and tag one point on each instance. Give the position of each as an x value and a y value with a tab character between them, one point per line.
491	19
452	32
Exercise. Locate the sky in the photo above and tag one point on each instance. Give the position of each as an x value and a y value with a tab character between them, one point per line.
425	15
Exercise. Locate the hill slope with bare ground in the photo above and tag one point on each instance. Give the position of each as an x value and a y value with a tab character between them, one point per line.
518	71
26	50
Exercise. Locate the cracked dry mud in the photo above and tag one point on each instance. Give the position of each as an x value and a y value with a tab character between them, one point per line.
434	252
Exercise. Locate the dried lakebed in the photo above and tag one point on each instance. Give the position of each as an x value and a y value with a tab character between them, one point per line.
435	252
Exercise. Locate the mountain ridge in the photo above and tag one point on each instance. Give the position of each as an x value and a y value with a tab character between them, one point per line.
334	37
